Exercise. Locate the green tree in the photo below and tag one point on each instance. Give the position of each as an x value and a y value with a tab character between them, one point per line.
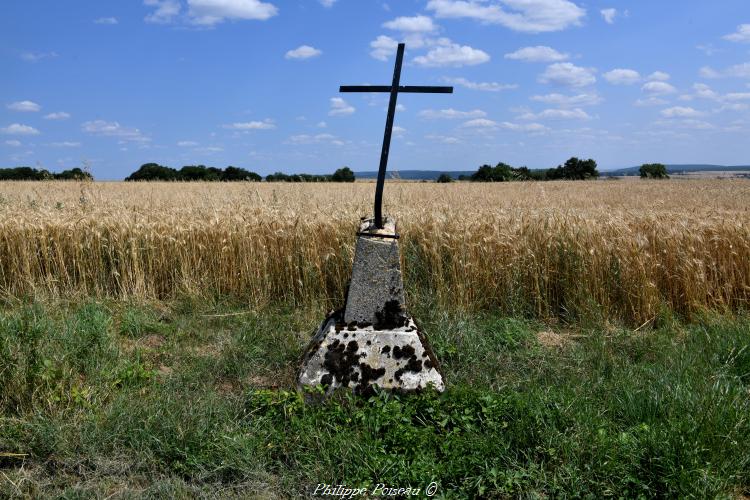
483	174
278	177
73	174
198	173
574	169
32	174
501	172
444	179
343	174
239	174
153	172
22	174
653	171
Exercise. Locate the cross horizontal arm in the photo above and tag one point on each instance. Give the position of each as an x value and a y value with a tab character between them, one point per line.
402	88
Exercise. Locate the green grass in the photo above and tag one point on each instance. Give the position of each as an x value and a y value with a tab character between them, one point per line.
164	400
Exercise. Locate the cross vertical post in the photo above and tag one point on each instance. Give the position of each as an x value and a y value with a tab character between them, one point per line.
394	89
387	137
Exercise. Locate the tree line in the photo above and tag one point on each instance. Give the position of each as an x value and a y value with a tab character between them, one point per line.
573	169
156	172
344	174
33	174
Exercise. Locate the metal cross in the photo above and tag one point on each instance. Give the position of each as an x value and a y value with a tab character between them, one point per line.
394	89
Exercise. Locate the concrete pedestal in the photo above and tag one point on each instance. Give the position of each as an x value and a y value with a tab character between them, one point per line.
372	341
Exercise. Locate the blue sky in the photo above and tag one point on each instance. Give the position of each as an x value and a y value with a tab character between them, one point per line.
255	83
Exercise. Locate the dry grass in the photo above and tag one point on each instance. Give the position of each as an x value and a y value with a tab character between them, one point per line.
625	249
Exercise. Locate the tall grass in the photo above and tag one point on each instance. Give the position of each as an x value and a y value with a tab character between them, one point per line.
623	250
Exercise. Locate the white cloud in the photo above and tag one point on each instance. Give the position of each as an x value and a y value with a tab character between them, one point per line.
383	47
741	35
187	144
568	74
212	12
166	11
442	51
565	101
24	106
708	72
303	52
13	143
19	129
484	86
416	24
731	106
686	124
113	129
65	144
327	3
659	76
538	53
479	123
445	139
37	56
622	76
525	127
707	49
729	101
737	96
650	101
399	130
106	20
702	91
59	115
266	124
305	139
451	114
680	112
557	114
531	16
737	71
609	15
658	88
322	125
452	55
209	149
340	107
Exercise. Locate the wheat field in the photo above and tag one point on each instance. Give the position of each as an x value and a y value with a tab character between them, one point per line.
624	249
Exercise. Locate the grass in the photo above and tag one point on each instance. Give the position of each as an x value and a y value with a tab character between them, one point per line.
627	249
195	398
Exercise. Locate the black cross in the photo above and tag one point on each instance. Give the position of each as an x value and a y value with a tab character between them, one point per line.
394	89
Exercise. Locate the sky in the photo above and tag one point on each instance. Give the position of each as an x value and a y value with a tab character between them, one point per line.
254	83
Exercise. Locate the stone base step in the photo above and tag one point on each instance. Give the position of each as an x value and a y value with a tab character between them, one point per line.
361	358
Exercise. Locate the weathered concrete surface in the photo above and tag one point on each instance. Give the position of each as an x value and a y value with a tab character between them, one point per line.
372	342
361	357
376	290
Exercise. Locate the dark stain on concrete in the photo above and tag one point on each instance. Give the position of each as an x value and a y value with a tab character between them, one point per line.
404	352
341	360
368	373
390	317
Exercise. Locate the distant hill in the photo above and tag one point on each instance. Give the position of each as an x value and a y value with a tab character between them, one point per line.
680	169
431	175
413	175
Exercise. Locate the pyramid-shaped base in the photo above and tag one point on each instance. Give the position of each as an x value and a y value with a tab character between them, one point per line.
361	358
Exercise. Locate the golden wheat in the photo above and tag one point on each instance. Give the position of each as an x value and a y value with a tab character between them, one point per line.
624	249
